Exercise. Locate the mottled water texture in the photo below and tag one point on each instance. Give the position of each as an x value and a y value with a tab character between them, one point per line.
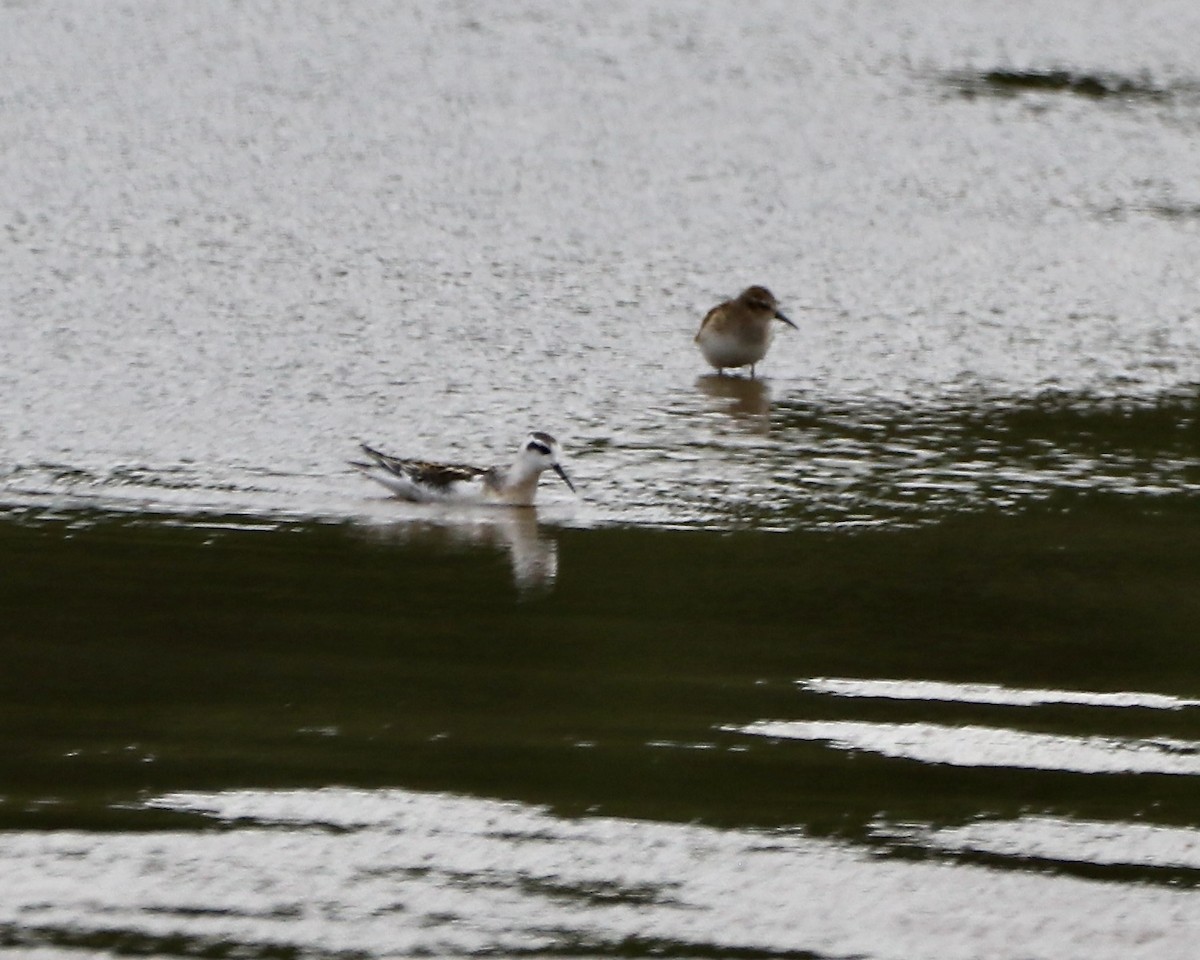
489	877
241	238
889	653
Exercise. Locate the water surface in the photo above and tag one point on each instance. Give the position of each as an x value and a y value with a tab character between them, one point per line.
890	653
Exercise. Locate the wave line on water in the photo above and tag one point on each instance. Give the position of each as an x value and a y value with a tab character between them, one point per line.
978	746
1100	843
988	693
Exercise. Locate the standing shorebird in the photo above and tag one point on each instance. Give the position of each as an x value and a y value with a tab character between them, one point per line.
738	332
424	482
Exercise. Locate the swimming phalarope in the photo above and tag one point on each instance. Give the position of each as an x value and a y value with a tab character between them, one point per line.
424	482
738	332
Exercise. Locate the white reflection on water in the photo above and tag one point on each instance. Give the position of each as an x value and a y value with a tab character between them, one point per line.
977	746
394	873
1053	838
532	549
987	693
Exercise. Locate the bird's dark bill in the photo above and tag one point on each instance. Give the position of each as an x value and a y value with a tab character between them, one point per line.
565	479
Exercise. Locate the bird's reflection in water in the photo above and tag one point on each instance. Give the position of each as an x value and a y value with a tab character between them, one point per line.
745	399
532	550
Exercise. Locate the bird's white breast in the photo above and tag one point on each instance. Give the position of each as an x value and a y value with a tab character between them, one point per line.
726	348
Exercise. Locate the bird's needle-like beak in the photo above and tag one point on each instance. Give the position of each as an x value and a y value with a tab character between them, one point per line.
780	316
563	473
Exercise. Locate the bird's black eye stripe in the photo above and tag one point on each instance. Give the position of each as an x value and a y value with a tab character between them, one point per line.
538	448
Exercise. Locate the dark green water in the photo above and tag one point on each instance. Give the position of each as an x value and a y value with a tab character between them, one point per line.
144	656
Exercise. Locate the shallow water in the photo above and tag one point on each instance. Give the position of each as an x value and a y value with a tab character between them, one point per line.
889	653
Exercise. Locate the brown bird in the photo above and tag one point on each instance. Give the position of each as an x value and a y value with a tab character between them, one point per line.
738	332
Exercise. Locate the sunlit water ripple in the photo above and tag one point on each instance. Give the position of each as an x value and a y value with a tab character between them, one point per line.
449	876
978	327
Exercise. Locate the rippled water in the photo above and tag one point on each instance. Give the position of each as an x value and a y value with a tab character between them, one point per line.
243	237
888	653
488	877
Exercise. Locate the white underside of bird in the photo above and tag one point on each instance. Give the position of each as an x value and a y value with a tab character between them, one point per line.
742	348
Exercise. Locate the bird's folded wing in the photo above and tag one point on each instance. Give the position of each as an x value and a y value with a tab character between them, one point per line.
422	472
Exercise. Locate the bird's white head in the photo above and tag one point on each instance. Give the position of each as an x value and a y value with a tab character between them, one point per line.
541	452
